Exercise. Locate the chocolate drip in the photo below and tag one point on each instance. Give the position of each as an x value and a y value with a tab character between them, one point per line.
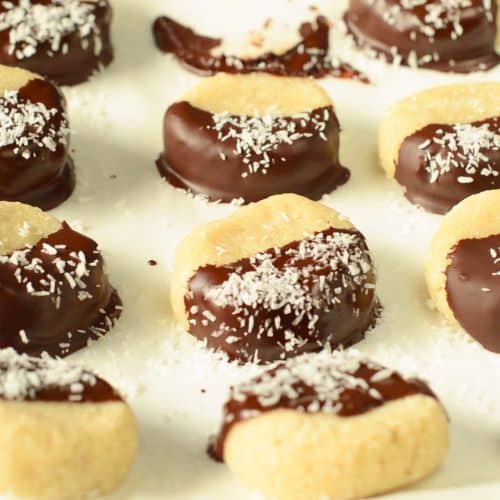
81	56
458	173
310	57
349	400
55	296
473	288
45	178
462	43
332	308
196	159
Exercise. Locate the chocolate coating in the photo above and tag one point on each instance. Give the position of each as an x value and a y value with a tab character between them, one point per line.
429	35
45	178
440	175
55	296
301	297
473	288
308	58
77	56
196	159
350	400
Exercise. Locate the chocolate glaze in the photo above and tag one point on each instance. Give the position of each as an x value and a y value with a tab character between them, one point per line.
473	288
195	159
308	58
445	192
463	52
351	401
250	332
46	179
75	65
67	327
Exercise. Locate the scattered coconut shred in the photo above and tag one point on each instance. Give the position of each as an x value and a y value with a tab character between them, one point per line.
23	376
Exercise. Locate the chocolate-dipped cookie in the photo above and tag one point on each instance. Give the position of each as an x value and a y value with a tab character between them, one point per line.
443	144
330	425
55	296
310	57
278	278
463	268
65	40
251	136
64	432
35	166
458	36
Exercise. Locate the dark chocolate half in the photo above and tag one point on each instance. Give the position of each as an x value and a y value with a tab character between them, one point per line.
55	296
286	301
332	383
430	34
25	378
473	288
228	157
65	41
310	57
441	165
35	167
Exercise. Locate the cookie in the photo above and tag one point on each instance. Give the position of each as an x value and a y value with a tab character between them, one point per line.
463	268
435	34
443	144
65	40
55	296
64	433
278	278
330	425
204	55
35	166
252	136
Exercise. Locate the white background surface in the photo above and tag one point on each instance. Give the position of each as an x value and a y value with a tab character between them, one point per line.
135	217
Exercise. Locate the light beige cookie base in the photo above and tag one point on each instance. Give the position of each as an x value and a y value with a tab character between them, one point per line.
478	216
256	94
288	455
12	78
457	103
56	451
22	225
273	222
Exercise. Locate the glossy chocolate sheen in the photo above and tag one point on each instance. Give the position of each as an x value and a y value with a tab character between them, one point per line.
61	330
196	160
473	288
473	50
343	324
74	65
443	194
310	57
353	402
46	179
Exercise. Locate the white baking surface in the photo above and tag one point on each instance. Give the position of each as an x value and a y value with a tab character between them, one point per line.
117	119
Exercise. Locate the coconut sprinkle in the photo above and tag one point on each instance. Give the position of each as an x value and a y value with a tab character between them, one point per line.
465	147
29	126
31	25
258	138
22	376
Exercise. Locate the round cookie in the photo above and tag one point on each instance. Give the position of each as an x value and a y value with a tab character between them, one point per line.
55	296
443	144
330	425
35	166
457	36
65	40
278	278
252	136
64	432
463	268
